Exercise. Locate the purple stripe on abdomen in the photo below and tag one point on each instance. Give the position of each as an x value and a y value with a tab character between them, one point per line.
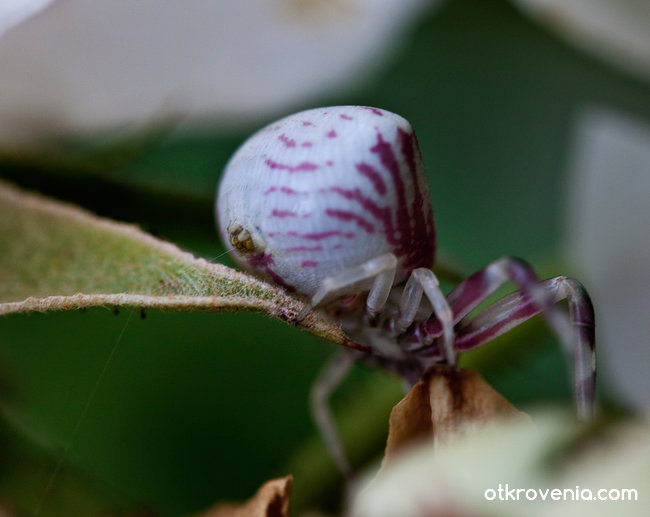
375	178
345	215
301	167
283	213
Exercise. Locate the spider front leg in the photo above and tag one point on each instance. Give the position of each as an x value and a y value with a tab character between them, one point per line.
514	309
534	297
377	274
470	293
424	281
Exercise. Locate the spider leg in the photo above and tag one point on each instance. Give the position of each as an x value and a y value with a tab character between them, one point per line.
470	293
515	308
377	274
330	378
424	281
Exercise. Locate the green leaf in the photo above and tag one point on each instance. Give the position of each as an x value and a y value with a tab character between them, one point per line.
56	256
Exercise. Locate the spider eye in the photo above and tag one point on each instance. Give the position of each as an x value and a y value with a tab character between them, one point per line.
242	239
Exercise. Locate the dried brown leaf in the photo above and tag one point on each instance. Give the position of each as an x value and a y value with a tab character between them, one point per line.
442	404
271	500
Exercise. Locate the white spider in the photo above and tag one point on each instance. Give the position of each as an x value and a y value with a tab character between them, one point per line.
333	203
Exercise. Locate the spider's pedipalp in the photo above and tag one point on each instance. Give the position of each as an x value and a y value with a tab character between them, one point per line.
424	281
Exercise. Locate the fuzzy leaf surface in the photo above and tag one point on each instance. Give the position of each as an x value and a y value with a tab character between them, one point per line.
56	256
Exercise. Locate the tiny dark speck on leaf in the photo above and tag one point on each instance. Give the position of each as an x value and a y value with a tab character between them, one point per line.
288	315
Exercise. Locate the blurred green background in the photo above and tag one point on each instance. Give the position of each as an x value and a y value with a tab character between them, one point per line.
194	408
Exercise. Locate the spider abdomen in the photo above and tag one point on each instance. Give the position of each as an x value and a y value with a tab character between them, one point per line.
324	190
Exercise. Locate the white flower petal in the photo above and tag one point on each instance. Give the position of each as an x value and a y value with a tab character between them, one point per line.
508	469
453	479
609	239
12	12
81	64
618	31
